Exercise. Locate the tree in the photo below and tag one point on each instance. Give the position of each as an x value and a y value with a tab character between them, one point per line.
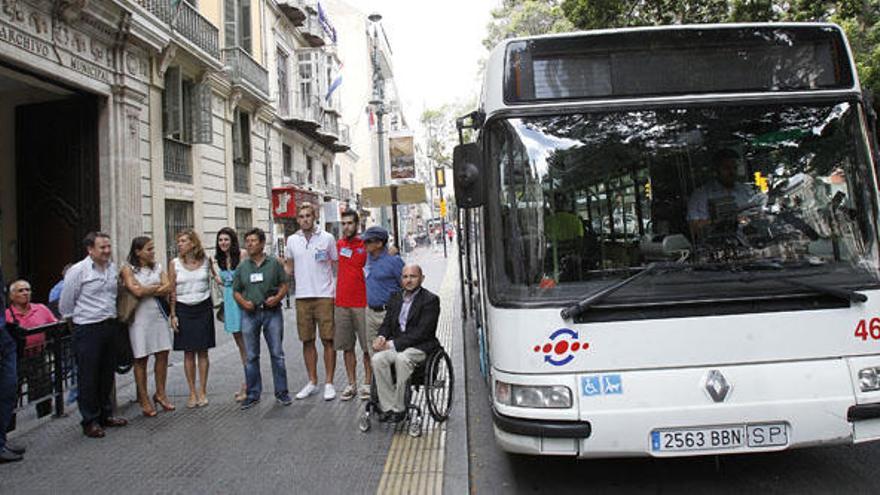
525	18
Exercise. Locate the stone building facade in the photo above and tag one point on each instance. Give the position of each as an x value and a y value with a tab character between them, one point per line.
144	117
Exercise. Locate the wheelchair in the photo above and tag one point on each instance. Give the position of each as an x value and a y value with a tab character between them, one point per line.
435	377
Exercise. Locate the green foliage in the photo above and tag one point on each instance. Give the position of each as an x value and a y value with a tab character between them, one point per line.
525	18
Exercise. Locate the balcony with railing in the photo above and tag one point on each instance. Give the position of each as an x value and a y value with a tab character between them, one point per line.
303	115
343	143
246	72
312	31
178	165
295	10
186	20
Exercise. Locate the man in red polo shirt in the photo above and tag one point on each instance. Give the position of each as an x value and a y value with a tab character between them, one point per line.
351	301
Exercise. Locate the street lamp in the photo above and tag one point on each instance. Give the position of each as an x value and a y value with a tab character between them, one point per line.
378	104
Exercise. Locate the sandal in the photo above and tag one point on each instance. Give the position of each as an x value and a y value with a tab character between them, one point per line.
191	403
166	406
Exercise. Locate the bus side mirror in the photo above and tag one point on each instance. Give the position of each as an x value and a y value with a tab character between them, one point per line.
467	169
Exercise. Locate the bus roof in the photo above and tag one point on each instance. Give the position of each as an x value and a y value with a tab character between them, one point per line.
492	99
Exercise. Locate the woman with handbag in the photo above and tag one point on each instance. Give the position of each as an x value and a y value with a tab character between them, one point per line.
148	329
192	312
227	257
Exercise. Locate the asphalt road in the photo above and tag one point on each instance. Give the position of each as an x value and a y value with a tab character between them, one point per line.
837	469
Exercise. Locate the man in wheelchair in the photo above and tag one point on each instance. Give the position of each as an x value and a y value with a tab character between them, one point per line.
406	338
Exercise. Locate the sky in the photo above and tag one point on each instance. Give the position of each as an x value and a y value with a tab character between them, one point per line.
436	48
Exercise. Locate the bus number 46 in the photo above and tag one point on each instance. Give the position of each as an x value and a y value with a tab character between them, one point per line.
868	328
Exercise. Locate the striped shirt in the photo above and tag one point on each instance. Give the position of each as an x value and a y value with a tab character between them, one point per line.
89	294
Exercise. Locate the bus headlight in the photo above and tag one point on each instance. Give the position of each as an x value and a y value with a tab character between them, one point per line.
537	396
869	379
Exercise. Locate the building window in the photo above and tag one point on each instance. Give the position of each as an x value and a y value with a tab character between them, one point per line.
306	80
324	175
178	217
237	24
287	160
244	221
187	118
283	88
241	151
310	173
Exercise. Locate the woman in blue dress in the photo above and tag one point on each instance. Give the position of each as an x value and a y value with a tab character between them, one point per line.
227	257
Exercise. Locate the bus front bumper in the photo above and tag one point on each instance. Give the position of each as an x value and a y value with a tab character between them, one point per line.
812	401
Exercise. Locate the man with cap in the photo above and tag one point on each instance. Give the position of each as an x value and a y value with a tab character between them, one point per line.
383	278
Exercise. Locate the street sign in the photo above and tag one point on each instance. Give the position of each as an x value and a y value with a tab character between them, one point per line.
440	177
374	197
443	207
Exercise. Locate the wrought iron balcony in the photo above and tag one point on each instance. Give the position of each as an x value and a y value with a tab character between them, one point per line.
295	10
304	116
186	20
246	72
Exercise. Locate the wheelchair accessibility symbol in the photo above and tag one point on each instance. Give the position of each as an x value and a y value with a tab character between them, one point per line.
601	385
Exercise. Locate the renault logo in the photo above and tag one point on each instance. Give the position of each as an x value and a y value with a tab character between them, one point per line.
717	386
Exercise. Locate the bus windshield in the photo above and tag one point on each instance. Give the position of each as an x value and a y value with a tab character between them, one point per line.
740	197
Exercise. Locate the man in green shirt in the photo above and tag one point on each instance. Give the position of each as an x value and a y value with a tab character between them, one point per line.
260	284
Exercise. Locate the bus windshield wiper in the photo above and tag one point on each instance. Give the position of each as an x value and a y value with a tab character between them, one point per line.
848	295
577	309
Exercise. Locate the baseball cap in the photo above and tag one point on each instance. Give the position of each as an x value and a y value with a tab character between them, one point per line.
375	233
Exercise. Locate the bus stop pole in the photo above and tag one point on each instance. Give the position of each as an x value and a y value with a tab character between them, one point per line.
394	216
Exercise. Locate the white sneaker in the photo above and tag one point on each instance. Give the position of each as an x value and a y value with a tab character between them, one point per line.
306	391
329	392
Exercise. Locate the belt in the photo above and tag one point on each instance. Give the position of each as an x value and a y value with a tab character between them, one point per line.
378	308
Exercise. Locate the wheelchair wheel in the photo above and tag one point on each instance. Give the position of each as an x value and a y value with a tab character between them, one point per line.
439	383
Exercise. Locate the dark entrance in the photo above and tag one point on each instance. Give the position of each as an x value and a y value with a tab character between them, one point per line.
56	147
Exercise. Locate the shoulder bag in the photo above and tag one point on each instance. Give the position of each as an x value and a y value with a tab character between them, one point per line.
126	302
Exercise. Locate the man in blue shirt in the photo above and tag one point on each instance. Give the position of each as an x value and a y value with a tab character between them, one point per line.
8	383
383	272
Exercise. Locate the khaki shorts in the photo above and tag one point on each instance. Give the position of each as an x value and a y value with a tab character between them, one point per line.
311	312
349	323
374	321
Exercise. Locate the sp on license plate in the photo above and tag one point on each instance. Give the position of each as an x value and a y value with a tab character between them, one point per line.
719	437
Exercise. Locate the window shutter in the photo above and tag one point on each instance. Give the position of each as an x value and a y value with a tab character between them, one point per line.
203	117
236	137
172	102
229	23
245	25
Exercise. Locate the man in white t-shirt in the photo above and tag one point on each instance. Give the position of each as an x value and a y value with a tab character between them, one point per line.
311	258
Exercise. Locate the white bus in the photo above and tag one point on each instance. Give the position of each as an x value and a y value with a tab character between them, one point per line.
670	241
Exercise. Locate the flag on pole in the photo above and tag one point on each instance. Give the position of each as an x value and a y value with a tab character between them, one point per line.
370	121
335	84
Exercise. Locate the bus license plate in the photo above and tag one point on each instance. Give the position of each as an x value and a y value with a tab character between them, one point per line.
705	438
719	437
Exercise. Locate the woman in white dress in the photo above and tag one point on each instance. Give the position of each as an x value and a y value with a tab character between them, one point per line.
149	331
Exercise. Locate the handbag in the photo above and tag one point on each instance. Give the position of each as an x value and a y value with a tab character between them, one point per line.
124	354
126	302
221	312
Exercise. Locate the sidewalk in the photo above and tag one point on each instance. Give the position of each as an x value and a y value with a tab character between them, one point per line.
312	446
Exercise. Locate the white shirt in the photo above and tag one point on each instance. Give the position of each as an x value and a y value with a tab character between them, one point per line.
193	286
313	263
698	206
89	294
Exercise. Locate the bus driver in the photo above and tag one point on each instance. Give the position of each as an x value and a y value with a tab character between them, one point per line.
720	199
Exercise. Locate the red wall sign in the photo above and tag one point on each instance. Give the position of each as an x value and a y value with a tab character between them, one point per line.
286	198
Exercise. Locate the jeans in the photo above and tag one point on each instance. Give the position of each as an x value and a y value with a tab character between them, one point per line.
8	383
271	323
